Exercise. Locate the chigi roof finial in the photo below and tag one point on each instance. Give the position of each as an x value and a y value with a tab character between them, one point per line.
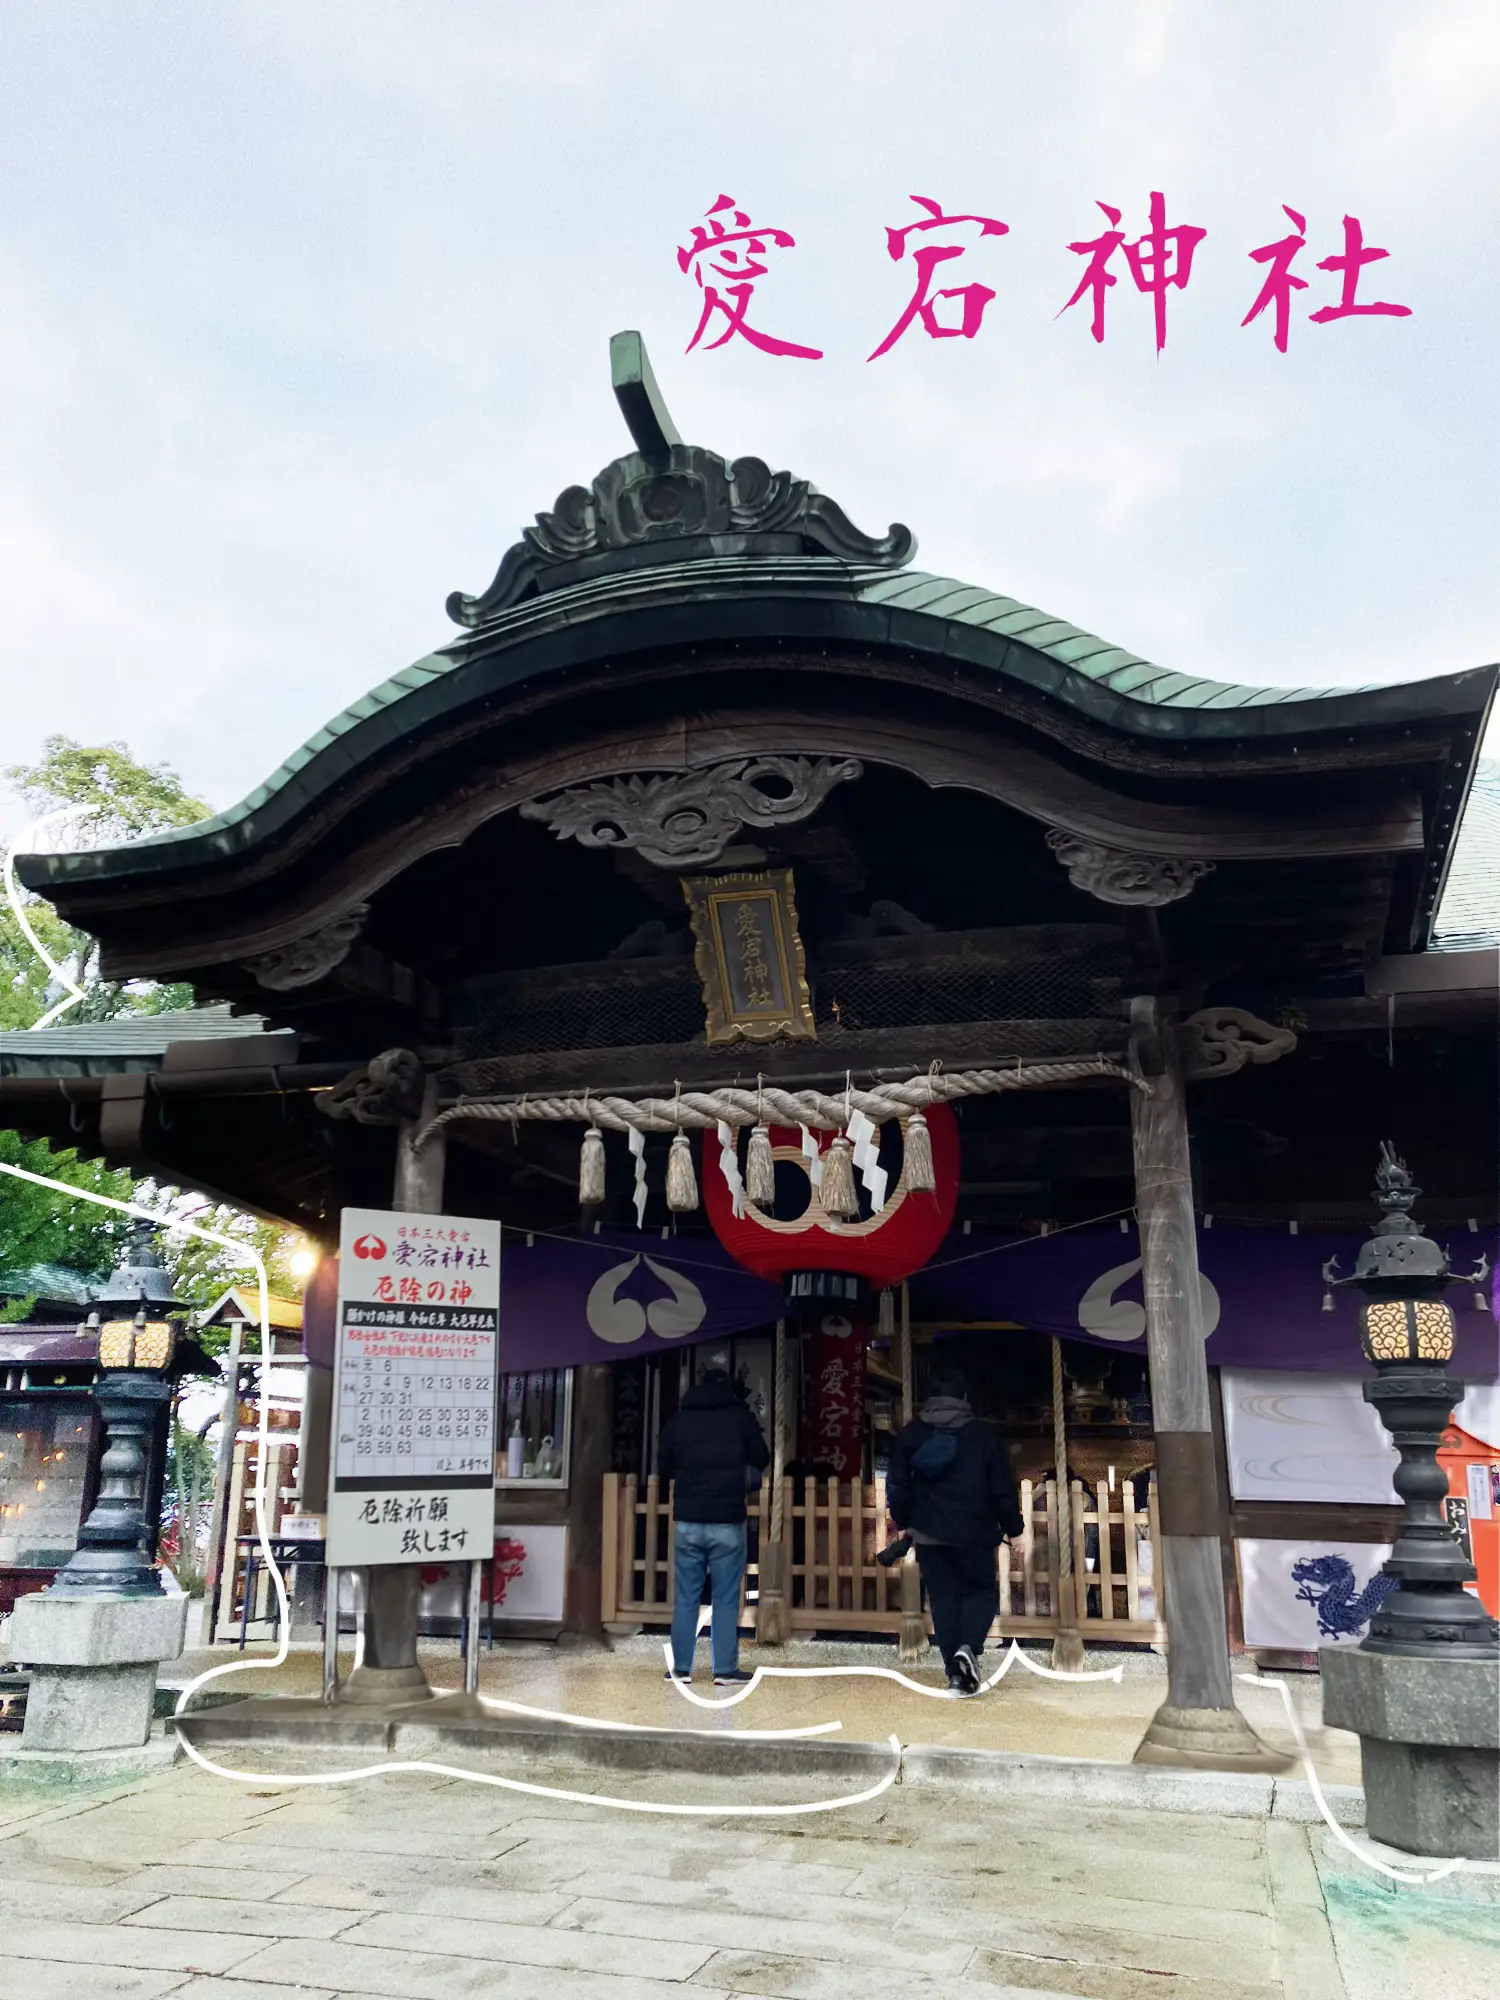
641	403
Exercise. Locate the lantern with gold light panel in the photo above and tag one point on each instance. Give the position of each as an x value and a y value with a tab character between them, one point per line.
1406	1330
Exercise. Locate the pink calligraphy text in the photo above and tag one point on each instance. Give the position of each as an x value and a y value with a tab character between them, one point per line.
735	258
1157	261
926	259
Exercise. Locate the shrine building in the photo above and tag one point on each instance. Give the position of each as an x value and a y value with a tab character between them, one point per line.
1034	963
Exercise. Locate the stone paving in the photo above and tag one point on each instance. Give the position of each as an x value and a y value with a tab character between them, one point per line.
1101	1719
414	1887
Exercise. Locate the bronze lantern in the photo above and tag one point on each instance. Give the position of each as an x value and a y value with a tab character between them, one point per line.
133	1395
1406	1330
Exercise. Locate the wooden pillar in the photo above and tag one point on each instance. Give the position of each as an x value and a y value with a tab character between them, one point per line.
390	1670
315	1439
1067	1648
1198	1724
588	1461
219	1523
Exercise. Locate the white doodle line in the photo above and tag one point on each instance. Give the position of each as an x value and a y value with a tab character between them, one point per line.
605	1722
552	1792
1360	1853
17	910
246	1254
1013	1653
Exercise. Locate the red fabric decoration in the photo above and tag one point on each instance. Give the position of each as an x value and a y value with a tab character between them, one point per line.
833	1405
882	1249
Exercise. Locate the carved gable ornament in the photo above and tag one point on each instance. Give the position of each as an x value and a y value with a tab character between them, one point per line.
1220	1041
687	818
670	501
306	960
1139	881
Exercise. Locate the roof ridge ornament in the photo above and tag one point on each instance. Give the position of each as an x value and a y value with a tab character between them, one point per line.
670	501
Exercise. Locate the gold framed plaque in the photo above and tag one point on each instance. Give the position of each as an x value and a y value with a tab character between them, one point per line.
749	957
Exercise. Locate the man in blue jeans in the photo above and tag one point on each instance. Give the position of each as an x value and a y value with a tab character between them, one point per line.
707	1453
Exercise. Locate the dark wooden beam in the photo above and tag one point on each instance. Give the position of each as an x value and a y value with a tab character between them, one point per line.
958	750
869	1052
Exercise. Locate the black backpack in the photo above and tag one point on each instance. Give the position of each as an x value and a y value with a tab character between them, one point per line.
936	1453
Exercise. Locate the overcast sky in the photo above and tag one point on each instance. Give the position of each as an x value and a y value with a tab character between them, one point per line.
304	312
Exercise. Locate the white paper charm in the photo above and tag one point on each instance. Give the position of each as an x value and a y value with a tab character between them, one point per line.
729	1167
637	1143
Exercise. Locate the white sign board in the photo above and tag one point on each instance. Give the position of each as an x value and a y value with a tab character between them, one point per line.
1298	1596
1305	1437
528	1580
413	1476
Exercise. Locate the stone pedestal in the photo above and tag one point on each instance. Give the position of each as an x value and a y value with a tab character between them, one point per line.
93	1664
1429	1733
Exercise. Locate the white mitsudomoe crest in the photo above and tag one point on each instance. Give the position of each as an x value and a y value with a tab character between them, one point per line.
1108	1318
621	1321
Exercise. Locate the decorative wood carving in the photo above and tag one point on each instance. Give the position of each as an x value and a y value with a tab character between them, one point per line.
1219	1041
635	504
307	959
386	1090
687	818
1134	880
960	750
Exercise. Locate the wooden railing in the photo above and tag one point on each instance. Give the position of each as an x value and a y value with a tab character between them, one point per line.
836	1585
239	1520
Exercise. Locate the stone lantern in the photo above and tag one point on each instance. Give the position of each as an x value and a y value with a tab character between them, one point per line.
93	1642
1423	1690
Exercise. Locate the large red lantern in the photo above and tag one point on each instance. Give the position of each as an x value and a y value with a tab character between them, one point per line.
801	1236
829	1266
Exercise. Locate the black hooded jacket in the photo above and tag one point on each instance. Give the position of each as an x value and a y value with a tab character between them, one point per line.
950	1479
706	1449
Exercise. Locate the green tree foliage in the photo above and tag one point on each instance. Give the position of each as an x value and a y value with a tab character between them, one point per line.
203	1272
122	800
128	799
40	1227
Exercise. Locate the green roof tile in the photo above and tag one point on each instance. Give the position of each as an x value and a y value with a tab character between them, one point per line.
912	592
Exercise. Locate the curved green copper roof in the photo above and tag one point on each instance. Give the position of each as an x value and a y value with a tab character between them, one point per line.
759	598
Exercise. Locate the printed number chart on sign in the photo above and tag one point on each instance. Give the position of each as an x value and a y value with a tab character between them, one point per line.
414	1408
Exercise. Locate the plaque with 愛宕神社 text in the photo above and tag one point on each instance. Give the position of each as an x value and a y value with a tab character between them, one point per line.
749	957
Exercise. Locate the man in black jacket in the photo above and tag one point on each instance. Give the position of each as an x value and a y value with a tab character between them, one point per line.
707	1452
950	1487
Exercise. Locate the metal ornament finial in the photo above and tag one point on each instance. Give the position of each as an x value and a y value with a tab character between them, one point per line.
641	402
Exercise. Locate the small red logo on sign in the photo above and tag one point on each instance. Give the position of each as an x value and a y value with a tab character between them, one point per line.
369	1246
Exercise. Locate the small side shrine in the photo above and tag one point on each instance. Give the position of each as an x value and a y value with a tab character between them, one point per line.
731	904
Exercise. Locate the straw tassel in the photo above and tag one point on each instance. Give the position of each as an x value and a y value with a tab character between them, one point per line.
837	1191
591	1169
682	1182
912	1644
920	1176
760	1168
885	1325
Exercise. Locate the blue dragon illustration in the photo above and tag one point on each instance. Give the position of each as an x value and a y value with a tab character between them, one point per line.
1327	1584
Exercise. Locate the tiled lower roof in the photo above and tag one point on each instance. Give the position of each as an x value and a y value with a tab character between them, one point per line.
1469	915
130	1034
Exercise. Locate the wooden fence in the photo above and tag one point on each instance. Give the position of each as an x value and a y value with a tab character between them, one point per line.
836	1585
239	1520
